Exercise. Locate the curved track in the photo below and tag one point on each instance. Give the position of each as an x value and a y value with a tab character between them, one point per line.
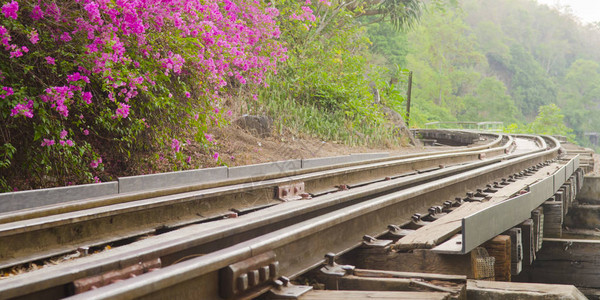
292	236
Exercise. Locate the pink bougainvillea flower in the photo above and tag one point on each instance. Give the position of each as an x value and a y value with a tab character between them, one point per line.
70	143
65	37
37	13
34	37
50	60
208	137
95	163
97	180
175	145
23	109
123	110
63	134
187	94
229	113
8	91
86	132
216	156
189	160
87	97
47	142
10	9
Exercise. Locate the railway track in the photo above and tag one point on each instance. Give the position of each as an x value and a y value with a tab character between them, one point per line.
202	250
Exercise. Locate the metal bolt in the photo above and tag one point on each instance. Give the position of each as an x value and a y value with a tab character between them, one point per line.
349	269
284	280
83	251
368	238
330	258
416	217
432	211
393	227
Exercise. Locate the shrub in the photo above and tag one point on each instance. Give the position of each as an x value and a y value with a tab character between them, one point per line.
83	82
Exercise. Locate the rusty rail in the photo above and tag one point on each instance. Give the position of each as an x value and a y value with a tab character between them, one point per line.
24	239
301	246
332	214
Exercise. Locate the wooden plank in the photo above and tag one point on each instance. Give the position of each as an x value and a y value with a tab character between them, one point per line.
396	274
357	283
482	264
553	217
329	295
484	290
445	227
419	260
499	247
567	261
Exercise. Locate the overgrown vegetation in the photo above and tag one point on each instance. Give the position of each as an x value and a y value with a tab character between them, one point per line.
86	84
89	86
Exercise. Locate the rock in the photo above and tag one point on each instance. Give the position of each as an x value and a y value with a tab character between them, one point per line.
257	125
398	121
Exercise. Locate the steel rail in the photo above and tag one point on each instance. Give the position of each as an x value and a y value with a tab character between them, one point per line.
71	206
300	247
33	239
174	249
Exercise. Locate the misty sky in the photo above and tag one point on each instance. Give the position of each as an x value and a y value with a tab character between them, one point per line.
586	10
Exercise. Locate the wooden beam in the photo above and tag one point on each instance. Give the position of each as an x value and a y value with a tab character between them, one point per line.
419	260
328	295
500	248
483	290
565	261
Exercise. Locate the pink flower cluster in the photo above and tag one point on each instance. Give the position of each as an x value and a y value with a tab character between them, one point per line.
95	163
23	109
307	15
10	9
232	39
6	91
59	97
112	51
175	145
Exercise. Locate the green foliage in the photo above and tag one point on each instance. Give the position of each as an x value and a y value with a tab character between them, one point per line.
490	102
390	44
327	88
499	60
549	121
531	87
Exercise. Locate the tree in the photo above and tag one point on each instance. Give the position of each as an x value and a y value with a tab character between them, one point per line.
490	102
400	13
549	121
530	86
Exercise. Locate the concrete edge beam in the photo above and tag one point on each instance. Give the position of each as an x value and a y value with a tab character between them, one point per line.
264	169
13	201
327	161
36	198
171	179
367	156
